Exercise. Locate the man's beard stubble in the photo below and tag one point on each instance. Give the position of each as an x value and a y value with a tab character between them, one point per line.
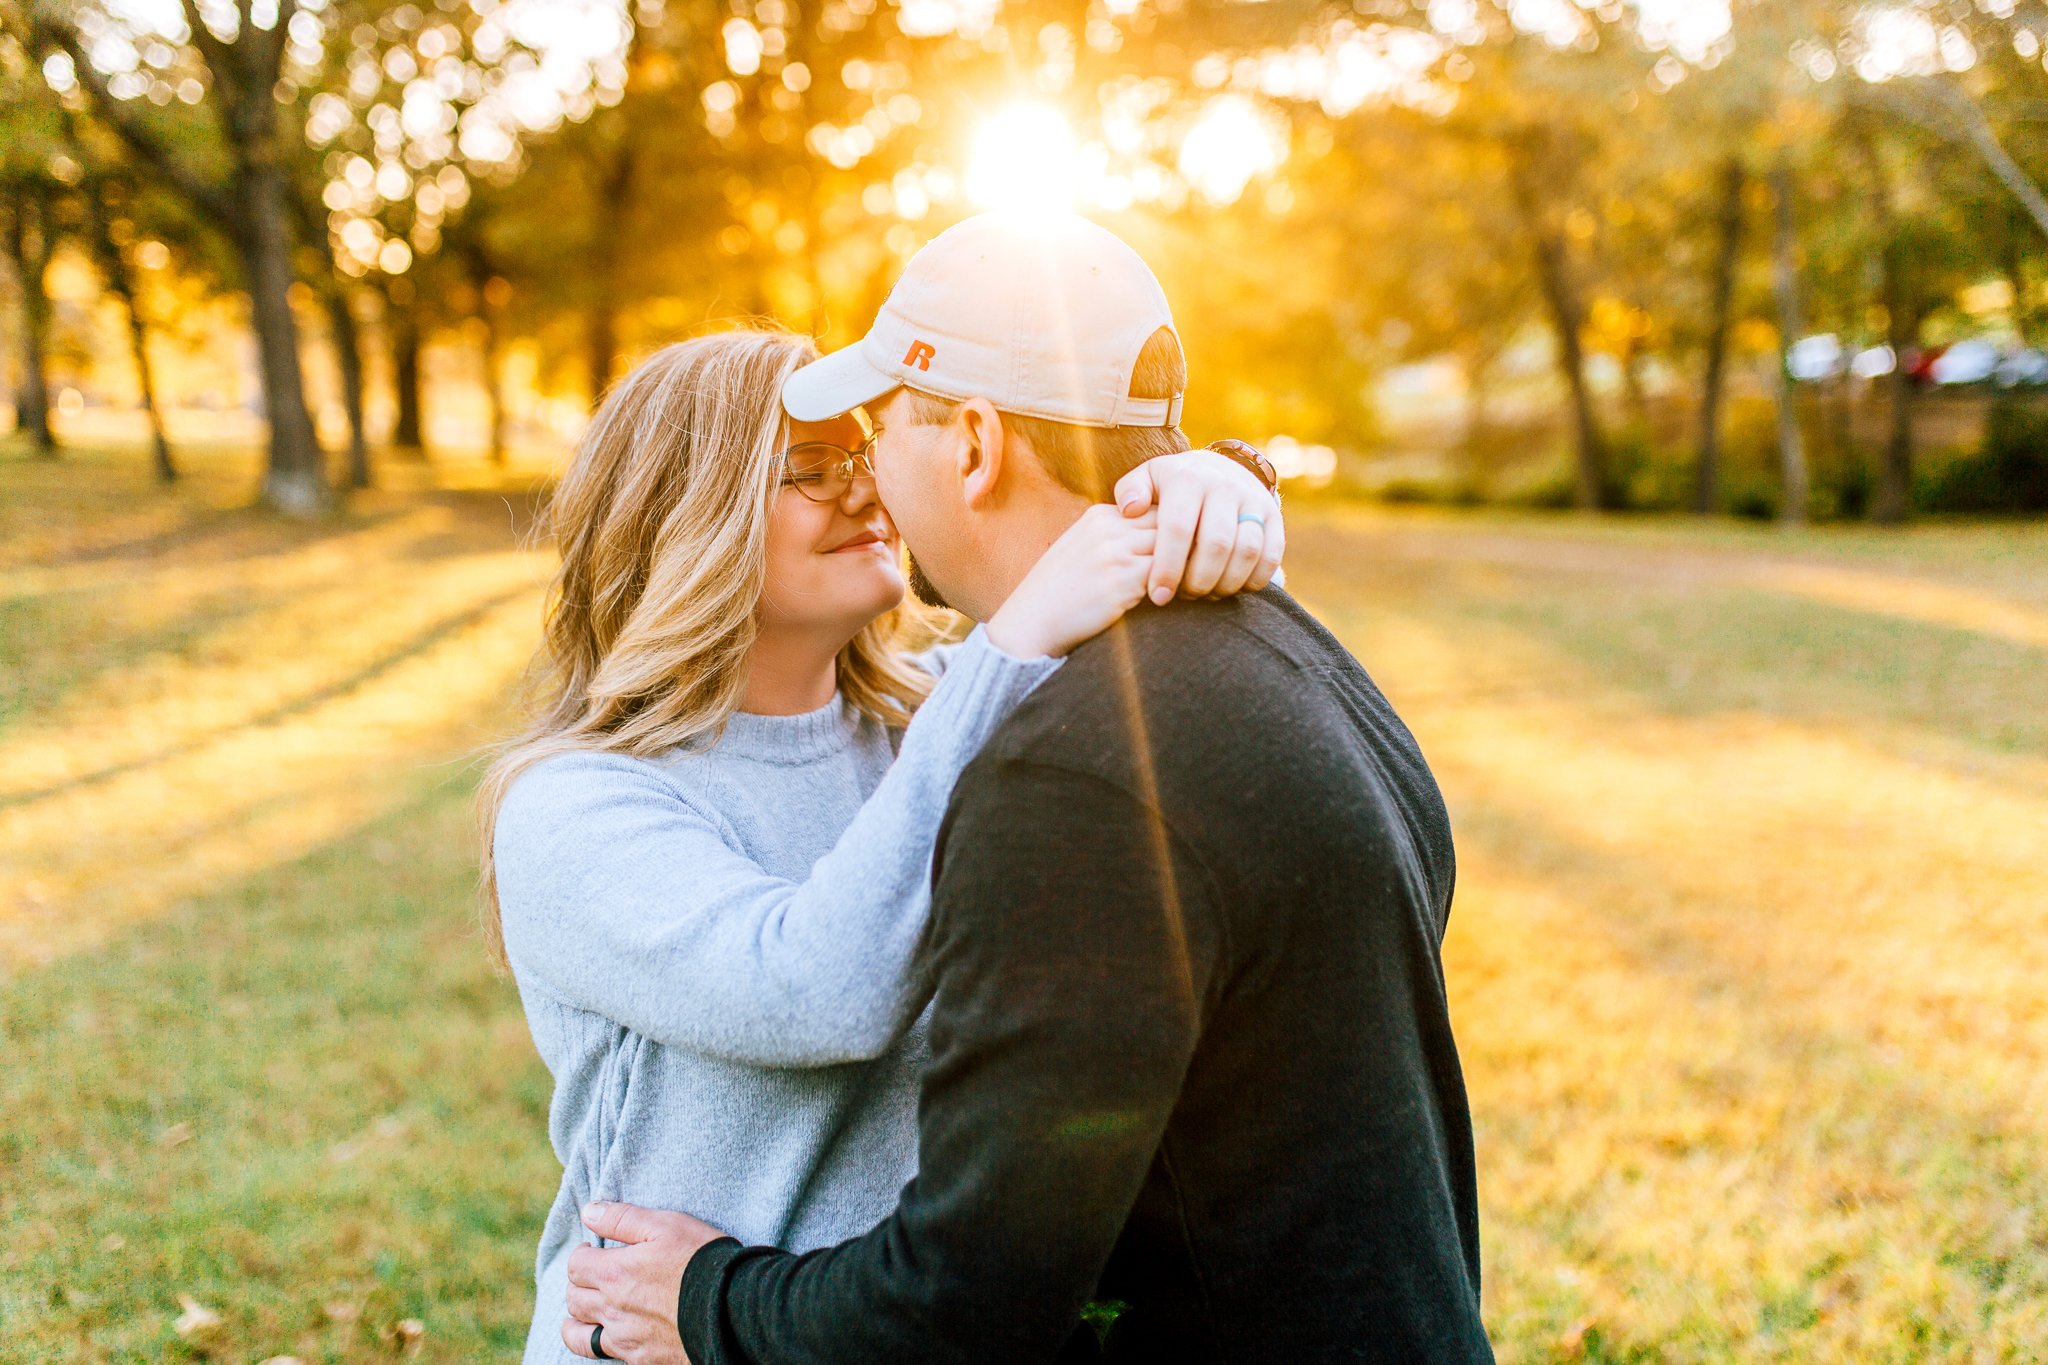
922	588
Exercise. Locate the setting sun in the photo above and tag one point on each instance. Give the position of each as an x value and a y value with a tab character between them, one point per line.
1026	157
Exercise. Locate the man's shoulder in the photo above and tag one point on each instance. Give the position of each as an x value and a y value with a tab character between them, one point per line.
1186	670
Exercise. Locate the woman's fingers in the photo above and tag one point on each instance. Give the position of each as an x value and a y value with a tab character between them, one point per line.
1134	491
1272	548
1215	542
1246	554
1180	517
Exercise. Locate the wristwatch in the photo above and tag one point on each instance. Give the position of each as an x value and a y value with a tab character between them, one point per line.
1247	454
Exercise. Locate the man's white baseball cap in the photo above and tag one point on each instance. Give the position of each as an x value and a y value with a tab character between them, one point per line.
1044	316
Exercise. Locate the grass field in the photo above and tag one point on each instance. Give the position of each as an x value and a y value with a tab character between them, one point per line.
1748	959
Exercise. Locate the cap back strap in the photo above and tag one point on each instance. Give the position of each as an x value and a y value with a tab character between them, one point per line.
1150	412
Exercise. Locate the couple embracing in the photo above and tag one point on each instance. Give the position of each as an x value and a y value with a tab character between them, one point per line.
1069	993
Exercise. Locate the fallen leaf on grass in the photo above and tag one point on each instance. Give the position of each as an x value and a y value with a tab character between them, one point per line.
177	1135
1574	1338
197	1322
405	1335
112	1242
341	1310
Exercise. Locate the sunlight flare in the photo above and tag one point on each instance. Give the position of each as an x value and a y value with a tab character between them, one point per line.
1026	157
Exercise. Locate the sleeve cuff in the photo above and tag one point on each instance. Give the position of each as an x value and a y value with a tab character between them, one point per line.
700	1303
978	648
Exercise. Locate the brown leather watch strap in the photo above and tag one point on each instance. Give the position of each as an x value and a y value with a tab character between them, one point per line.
1249	455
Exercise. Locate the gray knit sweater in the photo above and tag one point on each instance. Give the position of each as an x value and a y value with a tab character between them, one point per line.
713	949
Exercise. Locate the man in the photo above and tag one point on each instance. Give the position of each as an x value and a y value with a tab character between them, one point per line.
1193	1094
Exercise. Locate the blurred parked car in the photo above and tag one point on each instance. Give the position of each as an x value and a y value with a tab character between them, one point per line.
2025	368
1814	358
1966	362
1920	363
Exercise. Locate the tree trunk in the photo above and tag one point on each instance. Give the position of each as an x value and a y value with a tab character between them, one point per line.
1475	443
1567	317
1793	478
1844	454
1706	493
1891	503
296	481
121	284
2012	265
138	340
1634	391
1478	373
28	245
494	381
618	183
603	341
405	376
348	354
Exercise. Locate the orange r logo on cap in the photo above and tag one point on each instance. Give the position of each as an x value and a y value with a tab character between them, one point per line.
919	355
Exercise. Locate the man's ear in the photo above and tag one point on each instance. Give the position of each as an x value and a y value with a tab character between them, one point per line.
984	451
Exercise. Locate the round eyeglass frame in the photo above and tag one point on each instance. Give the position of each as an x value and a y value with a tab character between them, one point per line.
829	483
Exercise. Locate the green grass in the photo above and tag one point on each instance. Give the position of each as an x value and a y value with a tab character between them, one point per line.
1746	962
361	1119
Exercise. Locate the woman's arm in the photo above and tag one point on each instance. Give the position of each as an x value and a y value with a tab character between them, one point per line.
625	898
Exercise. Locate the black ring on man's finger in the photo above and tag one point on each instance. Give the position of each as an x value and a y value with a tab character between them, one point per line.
596	1346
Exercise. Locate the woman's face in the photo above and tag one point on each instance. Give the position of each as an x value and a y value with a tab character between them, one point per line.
832	566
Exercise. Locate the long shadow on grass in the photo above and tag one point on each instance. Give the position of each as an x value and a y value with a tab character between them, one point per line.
1723	647
1605	889
419	643
485	521
1925	1170
307	1089
41	622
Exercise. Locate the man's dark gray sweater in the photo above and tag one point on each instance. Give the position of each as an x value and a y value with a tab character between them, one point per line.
1190	1047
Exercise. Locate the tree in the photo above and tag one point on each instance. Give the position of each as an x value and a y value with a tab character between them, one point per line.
104	198
31	145
1707	476
28	236
1795	491
234	59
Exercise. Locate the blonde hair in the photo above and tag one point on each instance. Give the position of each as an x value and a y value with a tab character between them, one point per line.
662	521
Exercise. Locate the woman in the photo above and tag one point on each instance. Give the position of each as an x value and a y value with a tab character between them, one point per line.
707	856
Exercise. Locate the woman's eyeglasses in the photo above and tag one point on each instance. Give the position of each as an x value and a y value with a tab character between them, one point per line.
823	472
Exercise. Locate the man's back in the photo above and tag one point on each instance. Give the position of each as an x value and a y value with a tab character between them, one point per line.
1312	1197
1190	1052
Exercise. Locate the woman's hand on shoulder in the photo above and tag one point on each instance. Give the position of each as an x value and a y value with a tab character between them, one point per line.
1096	571
1220	530
1196	523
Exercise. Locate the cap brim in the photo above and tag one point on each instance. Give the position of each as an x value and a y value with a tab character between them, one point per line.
834	386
